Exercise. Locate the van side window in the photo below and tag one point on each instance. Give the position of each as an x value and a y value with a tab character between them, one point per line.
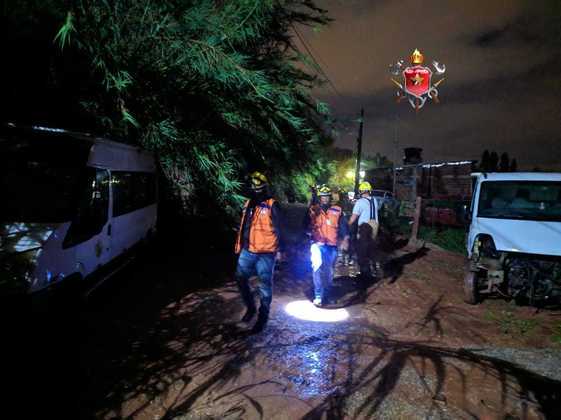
93	208
132	191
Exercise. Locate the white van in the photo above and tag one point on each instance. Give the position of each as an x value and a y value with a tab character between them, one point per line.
71	204
514	239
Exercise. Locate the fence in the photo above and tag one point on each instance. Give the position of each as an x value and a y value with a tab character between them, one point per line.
442	222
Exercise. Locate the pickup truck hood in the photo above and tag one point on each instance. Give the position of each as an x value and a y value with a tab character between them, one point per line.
525	236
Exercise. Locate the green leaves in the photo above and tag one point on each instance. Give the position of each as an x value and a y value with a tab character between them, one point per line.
63	35
128	118
322	108
209	86
119	81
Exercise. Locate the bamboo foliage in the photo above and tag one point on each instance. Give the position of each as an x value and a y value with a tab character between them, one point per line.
213	87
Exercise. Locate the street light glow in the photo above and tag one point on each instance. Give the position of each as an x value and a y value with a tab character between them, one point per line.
351	174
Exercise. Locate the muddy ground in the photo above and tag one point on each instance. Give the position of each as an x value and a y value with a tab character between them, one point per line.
160	341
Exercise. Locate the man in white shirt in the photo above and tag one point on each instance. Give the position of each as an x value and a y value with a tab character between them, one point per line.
366	212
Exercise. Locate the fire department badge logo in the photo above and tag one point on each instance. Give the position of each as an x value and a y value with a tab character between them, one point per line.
417	86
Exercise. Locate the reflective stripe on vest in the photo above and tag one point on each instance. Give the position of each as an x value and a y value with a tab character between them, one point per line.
262	235
325	225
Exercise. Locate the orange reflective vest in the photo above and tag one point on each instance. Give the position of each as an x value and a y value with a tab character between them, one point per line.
325	224
262	236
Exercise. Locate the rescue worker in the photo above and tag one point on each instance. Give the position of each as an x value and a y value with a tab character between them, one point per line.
365	211
257	244
327	225
347	205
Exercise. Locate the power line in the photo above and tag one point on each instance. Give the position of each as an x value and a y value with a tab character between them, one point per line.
313	53
308	49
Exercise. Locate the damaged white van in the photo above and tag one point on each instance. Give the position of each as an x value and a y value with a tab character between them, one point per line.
514	240
72	206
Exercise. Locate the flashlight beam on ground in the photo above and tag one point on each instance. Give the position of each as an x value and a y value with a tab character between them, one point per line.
305	310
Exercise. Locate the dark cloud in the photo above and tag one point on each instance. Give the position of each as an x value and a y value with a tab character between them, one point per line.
490	37
502	87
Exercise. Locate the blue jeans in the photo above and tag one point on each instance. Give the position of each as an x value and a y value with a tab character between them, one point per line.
262	265
323	277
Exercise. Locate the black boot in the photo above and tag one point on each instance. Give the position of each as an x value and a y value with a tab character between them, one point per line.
262	319
364	279
249	314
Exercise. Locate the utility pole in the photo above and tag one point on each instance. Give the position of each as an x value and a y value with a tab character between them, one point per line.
359	151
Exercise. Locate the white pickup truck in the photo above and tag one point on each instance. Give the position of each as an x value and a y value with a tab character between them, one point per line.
514	240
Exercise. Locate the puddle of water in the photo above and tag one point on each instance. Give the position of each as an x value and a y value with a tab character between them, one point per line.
309	368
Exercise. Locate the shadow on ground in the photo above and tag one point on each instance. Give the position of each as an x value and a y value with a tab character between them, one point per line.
159	341
169	349
394	268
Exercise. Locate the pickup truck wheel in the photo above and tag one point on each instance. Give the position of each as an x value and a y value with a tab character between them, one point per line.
471	287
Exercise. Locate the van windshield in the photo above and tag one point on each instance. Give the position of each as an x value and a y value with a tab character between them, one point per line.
524	200
39	178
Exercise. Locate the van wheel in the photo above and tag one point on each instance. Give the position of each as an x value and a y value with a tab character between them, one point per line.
471	287
66	297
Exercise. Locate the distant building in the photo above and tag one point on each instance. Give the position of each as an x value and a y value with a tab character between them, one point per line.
413	155
430	180
380	178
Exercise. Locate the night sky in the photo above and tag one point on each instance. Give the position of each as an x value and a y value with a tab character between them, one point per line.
502	89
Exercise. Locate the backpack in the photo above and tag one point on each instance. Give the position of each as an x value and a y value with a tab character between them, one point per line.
370	228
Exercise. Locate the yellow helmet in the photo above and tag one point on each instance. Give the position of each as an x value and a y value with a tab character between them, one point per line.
364	186
258	180
324	190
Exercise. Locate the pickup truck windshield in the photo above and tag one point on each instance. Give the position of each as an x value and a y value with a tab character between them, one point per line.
521	200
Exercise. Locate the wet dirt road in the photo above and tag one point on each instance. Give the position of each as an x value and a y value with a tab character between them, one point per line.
161	342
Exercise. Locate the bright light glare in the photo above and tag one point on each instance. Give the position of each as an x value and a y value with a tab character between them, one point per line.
305	310
362	173
350	174
315	256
